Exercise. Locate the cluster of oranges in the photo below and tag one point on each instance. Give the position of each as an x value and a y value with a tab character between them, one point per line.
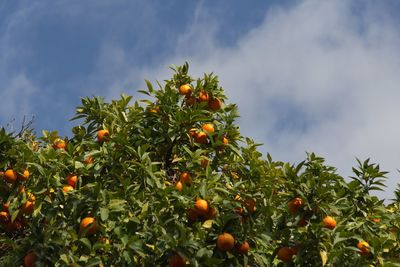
214	103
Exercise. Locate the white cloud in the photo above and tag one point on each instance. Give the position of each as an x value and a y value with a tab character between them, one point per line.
314	77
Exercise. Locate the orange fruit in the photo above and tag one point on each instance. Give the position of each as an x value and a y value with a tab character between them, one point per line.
225	242
242	248
30	259
24	176
88	160
204	163
88	224
59	144
192	215
185	178
103	135
203	96
190	100
72	179
4	216
67	188
177	260
201	138
250	204
185	89
208	128
285	254
329	222
211	214
10	176
179	186
193	132
201	206
28	207
295	204
364	247
376	220
215	104
302	222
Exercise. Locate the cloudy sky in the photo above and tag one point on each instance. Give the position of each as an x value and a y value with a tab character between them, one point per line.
320	76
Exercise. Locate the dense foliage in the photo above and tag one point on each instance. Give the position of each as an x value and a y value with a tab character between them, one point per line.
169	180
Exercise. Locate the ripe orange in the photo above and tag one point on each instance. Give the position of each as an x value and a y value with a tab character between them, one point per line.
24	176
103	135
88	160
201	138
208	128
295	204
185	178
376	220
185	89
215	104
4	216
285	254
225	242
250	204
211	214
192	215
201	206
59	144
28	207
179	186
204	163
190	100
203	96
89	224
67	188
329	222
177	260
302	222
10	176
72	179
30	259
242	248
364	247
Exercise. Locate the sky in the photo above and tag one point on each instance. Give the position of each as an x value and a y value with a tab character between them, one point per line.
308	76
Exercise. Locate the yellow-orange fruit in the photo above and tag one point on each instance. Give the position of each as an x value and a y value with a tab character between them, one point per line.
201	138
30	259
190	100
103	135
250	204
89	224
179	186
376	220
4	216
24	175
28	207
285	254
203	96
215	104
329	222
225	242
67	188
201	206
59	144
72	179
211	214
185	178
364	247
10	176
185	89
88	160
208	128
177	260
295	204
242	248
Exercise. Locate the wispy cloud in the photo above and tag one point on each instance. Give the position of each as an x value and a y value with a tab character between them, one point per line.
314	77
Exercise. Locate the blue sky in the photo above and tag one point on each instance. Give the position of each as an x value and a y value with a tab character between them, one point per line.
307	75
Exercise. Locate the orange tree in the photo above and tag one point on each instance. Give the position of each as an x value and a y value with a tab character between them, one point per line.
169	181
